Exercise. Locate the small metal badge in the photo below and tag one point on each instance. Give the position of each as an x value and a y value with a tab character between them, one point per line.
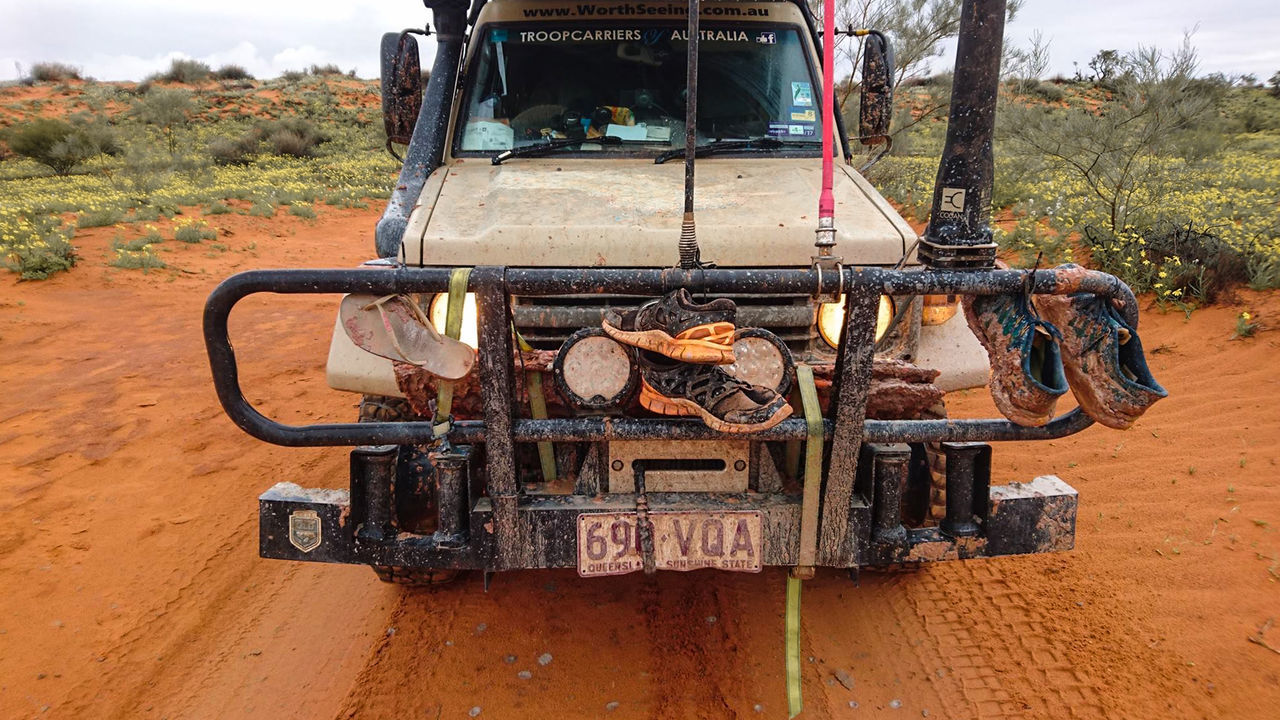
304	530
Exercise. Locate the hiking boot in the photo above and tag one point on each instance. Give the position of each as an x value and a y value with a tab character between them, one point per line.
678	328
395	327
724	402
1103	357
1026	362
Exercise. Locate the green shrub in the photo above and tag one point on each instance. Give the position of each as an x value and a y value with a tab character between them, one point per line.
225	151
169	110
36	248
262	209
54	72
182	70
56	144
141	259
100	218
1049	92
292	76
287	142
218	208
303	211
231	72
193	232
326	69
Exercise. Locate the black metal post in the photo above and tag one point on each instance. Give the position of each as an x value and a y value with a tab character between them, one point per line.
496	374
959	232
889	466
452	493
968	471
374	468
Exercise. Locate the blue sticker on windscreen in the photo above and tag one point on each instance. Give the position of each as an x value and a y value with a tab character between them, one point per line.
779	129
801	94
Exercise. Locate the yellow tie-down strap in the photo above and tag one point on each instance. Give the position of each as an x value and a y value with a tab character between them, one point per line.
458	280
808	531
538	409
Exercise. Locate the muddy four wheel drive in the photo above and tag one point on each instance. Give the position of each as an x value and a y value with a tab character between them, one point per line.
636	309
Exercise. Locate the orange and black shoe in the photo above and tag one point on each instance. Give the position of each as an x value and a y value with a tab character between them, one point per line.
677	327
722	401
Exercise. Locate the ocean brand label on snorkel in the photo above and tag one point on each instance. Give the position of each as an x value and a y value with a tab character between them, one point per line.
953	200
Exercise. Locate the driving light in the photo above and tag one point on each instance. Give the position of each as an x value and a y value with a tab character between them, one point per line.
938	309
440	311
831	319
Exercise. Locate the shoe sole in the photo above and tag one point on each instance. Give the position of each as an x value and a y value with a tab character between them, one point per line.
710	344
656	402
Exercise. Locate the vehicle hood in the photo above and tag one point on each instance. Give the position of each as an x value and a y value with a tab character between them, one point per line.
627	213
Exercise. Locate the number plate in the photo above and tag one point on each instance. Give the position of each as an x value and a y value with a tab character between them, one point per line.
687	540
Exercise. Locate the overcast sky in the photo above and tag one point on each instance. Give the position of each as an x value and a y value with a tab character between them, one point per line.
128	39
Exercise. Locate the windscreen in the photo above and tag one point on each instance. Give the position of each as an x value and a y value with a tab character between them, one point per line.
532	83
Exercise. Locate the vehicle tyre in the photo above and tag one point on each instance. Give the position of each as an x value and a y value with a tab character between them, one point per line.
415	577
924	499
937	468
380	408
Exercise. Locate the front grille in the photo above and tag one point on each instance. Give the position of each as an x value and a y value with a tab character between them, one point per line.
546	322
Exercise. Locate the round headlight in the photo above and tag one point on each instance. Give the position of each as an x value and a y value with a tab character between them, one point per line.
831	319
440	312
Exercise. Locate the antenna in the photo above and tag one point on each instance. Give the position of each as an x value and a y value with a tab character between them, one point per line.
690	255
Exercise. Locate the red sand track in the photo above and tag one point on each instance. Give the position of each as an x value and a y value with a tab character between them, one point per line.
133	589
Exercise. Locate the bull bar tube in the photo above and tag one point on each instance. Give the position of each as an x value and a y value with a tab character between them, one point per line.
506	528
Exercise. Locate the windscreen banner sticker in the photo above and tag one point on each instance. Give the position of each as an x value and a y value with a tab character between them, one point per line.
804	116
801	94
624	35
627	9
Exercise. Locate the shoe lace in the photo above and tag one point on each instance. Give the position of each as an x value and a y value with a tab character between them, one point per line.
707	386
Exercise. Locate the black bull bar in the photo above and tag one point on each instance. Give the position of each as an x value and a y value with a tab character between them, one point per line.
505	528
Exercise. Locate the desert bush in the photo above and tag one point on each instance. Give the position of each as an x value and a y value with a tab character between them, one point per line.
262	209
54	143
1117	150
326	69
185	71
231	72
292	76
135	255
228	151
1049	92
54	72
169	110
35	248
193	231
100	218
305	212
287	142
218	207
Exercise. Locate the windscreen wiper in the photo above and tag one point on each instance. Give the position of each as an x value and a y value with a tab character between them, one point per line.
550	146
761	143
